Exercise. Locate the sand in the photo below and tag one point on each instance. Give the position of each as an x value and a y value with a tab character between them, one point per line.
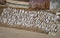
6	32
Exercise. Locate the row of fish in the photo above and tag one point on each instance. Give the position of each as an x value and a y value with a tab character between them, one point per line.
41	19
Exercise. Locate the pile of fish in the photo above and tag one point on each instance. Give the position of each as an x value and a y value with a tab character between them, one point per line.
41	19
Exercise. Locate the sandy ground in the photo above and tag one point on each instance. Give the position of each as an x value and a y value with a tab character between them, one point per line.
16	33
